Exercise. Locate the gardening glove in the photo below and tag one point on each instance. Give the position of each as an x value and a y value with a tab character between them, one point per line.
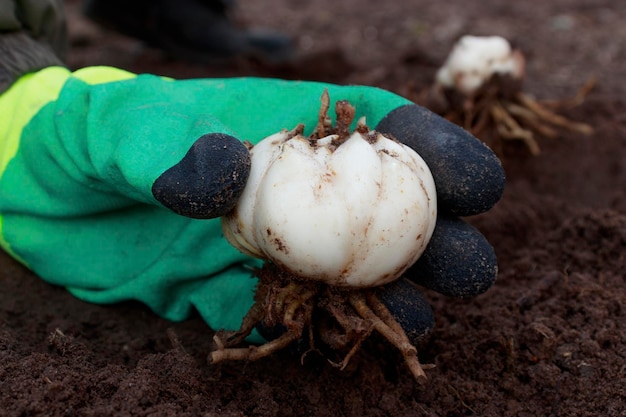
109	180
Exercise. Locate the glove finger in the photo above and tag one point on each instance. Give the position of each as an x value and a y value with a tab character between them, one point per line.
208	180
468	175
458	261
408	306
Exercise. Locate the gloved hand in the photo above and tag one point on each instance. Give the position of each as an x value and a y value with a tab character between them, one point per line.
108	180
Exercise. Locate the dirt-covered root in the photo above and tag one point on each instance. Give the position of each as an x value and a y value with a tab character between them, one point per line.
499	112
524	117
370	308
347	318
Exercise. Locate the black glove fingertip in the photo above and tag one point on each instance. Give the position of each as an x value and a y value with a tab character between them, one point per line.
458	261
468	175
208	180
409	307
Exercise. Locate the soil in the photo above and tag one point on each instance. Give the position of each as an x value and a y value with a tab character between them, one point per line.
549	339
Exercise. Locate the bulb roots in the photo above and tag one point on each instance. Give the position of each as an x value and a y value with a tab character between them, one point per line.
341	319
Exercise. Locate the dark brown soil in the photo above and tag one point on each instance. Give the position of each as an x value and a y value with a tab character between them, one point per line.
549	339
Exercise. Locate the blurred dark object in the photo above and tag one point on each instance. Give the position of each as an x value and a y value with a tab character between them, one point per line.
195	30
32	36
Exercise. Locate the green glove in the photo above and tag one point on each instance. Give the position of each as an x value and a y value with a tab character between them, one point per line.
110	183
80	157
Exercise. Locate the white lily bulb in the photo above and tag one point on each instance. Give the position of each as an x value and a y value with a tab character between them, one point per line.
358	214
475	59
